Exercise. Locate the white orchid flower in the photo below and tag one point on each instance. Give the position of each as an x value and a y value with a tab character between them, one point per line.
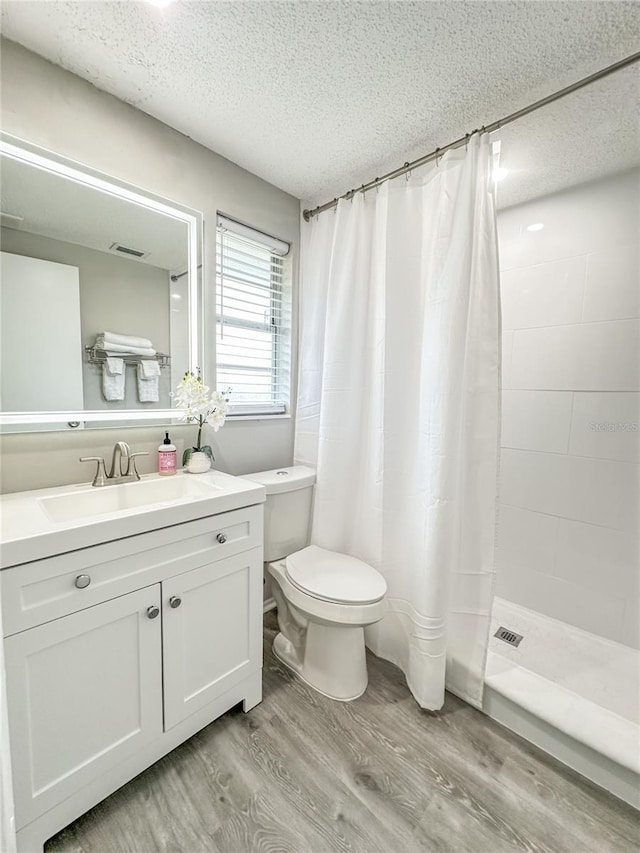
199	406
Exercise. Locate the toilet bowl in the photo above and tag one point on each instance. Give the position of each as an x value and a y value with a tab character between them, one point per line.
324	598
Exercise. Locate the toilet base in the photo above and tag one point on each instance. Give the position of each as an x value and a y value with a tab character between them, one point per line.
334	661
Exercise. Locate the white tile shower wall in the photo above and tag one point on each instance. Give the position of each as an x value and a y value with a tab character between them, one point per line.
603	425
568	529
536	420
580	357
611	288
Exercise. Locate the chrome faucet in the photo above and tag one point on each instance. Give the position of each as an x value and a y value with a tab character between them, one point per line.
121	451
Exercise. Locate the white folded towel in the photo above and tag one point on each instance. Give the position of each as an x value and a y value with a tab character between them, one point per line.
115	366
113	376
148	385
149	352
124	340
149	368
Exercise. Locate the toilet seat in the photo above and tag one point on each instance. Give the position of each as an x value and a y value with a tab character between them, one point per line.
337	578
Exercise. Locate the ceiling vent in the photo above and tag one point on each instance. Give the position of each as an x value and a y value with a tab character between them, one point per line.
121	249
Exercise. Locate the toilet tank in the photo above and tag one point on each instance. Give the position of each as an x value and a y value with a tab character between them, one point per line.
287	511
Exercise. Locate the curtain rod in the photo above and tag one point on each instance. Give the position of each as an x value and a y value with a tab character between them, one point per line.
182	274
490	128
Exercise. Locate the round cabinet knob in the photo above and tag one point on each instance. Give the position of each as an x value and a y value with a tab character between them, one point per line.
222	538
83	581
152	611
175	601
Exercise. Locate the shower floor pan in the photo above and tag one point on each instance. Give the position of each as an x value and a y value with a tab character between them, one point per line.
572	693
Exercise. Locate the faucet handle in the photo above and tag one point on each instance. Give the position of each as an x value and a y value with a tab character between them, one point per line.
100	478
131	467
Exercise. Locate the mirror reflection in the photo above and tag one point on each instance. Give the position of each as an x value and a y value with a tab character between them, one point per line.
94	300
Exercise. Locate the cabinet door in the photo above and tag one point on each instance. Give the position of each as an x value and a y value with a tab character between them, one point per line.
84	693
212	639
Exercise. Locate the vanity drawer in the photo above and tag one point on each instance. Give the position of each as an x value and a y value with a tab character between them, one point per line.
34	593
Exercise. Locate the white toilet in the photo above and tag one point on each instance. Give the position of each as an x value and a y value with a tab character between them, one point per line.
324	598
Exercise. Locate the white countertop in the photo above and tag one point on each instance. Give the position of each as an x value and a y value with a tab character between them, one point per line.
28	532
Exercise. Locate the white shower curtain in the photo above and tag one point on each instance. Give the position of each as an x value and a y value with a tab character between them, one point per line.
398	407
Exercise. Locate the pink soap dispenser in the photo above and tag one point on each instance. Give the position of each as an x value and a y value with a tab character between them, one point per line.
167	457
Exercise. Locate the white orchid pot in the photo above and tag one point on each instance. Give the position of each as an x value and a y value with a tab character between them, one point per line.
197	461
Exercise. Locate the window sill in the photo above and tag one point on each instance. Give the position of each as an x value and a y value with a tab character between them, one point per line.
234	418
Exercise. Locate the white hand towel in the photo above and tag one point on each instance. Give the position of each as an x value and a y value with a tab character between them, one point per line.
115	366
148	386
119	348
125	340
113	383
149	368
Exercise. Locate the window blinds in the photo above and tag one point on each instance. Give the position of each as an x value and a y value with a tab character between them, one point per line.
253	334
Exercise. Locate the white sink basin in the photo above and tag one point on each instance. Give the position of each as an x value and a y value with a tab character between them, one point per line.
39	524
125	496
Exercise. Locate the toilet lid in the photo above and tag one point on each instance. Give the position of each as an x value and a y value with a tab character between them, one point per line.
334	577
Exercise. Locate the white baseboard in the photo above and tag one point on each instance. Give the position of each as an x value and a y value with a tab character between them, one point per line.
269	604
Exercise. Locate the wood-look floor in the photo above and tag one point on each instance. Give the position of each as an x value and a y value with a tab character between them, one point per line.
303	774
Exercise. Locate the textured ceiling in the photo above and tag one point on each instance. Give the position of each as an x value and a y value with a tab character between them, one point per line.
317	97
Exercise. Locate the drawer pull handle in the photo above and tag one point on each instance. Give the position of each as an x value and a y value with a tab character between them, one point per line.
152	611
175	601
222	538
83	581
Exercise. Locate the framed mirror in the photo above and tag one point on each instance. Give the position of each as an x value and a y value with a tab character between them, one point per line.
99	296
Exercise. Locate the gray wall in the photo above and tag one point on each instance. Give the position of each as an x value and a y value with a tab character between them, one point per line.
52	108
117	294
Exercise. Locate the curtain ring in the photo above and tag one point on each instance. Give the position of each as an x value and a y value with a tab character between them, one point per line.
407	174
466	141
437	164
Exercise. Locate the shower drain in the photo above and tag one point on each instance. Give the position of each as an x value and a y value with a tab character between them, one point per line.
508	636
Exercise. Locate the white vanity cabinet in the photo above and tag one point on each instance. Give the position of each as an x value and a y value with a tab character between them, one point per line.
117	653
85	693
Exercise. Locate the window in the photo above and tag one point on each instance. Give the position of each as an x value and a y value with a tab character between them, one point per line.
253	327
